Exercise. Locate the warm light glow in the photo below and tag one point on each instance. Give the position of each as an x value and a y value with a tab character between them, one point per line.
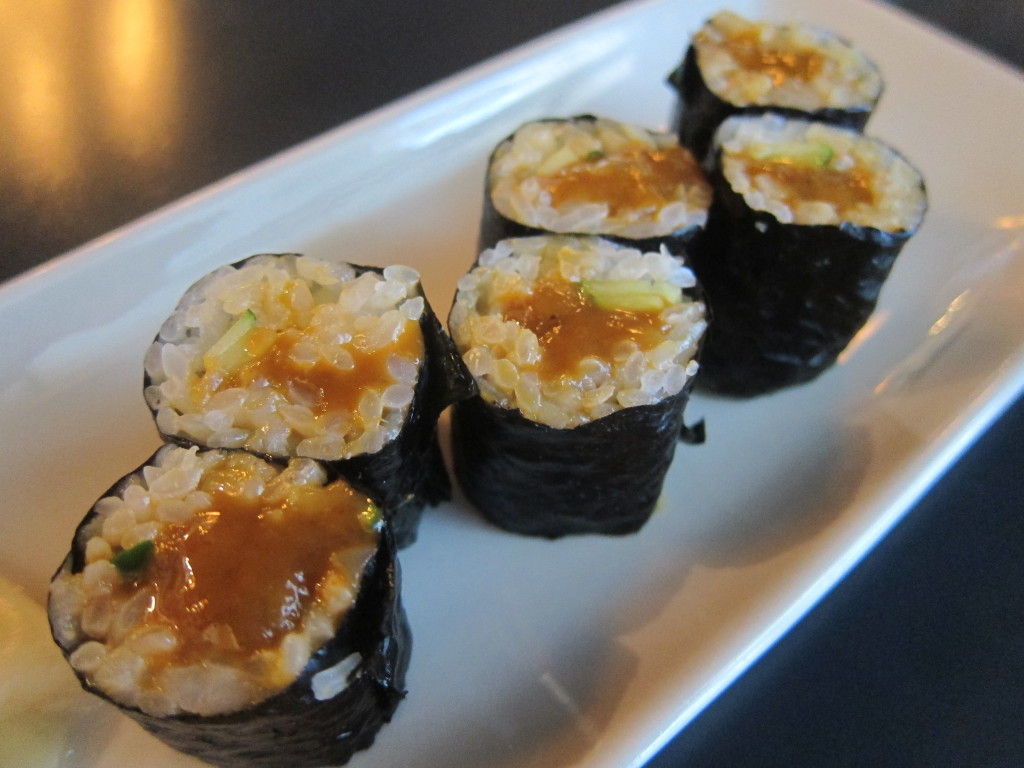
35	51
1010	222
84	77
141	76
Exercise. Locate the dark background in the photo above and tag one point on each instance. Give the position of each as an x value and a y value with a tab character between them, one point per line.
916	659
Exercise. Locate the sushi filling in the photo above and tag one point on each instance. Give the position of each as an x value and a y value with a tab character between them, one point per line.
568	330
598	177
811	173
210	579
787	65
290	356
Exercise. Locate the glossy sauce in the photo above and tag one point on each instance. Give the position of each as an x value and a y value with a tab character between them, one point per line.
249	566
570	327
324	387
779	63
805	183
632	178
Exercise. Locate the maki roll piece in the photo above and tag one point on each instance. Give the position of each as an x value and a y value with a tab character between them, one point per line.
806	224
594	176
289	356
584	352
244	612
736	66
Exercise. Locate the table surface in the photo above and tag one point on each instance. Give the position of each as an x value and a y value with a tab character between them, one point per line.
915	659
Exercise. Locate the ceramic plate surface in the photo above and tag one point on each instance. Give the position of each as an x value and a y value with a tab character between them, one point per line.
589	651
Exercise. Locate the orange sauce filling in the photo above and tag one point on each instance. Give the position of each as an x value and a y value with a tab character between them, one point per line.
238	578
630	178
780	64
570	327
322	386
842	189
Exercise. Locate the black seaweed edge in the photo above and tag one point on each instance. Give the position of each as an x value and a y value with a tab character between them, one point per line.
698	110
495	226
409	471
288	729
837	274
603	477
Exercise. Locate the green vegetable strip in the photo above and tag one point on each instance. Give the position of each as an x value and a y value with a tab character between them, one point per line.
134	558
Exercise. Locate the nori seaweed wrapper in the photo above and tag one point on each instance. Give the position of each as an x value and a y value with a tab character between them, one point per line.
495	226
292	729
699	111
604	476
408	473
786	298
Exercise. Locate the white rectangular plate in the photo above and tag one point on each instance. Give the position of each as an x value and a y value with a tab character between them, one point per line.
590	651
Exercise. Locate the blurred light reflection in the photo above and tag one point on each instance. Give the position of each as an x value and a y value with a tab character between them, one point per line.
39	97
1010	222
83	87
140	76
869	329
949	315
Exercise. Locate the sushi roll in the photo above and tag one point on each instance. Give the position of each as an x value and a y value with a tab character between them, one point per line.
806	224
244	612
594	176
585	352
289	356
737	66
